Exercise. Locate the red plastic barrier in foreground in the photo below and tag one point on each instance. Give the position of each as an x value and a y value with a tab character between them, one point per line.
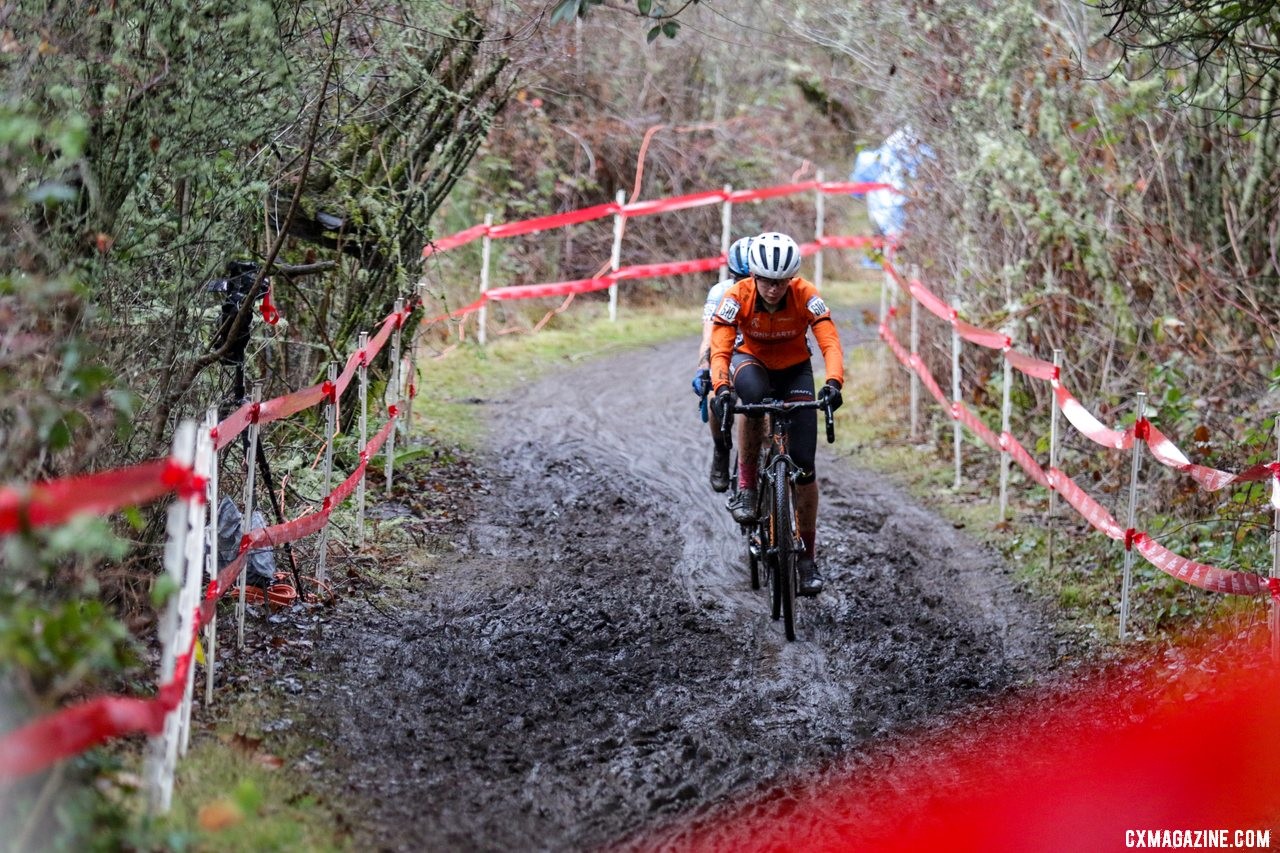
1085	770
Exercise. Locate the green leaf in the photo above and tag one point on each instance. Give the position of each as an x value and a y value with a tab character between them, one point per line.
644	6
164	587
653	34
248	796
409	455
670	28
134	517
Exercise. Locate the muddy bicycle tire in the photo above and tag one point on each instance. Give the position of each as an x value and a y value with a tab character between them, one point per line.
784	547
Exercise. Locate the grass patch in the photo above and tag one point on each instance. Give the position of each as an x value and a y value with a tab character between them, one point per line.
236	789
460	387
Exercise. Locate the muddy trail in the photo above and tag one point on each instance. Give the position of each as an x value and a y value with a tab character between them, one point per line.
590	664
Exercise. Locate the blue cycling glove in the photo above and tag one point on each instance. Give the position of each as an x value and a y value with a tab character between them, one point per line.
701	382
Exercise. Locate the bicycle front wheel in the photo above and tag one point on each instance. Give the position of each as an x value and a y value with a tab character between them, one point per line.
784	549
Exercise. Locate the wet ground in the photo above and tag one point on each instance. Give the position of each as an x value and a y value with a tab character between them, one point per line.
588	662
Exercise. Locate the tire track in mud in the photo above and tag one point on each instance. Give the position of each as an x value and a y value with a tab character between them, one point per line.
591	663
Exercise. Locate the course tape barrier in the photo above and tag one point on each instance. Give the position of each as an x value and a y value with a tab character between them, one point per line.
659	270
1160	446
49	504
286	405
1189	571
72	730
644	208
54	502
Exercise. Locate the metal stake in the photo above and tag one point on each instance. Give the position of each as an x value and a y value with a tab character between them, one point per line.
362	377
197	548
211	568
159	765
957	434
915	377
246	522
1006	412
1133	511
413	365
393	391
330	434
1053	454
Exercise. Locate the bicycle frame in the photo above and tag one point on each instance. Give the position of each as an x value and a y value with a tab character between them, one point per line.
774	538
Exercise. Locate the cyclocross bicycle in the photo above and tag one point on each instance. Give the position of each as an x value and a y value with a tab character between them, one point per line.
773	541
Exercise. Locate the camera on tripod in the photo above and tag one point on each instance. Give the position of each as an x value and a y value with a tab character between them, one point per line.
235	287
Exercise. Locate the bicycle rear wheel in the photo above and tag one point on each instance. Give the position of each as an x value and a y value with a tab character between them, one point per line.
784	549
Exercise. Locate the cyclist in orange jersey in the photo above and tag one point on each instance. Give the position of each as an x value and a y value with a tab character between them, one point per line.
759	350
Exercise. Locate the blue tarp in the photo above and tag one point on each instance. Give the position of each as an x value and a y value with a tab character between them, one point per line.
896	163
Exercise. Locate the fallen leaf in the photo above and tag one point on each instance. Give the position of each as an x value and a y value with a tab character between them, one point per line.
242	742
219	815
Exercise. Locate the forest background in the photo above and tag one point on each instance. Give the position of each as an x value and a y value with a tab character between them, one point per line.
1103	181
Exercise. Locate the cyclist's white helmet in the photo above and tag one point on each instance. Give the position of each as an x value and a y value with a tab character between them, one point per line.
738	264
774	255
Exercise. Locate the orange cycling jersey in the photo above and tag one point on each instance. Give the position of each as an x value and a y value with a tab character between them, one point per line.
776	338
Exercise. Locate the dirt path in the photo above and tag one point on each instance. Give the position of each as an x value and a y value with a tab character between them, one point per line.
591	662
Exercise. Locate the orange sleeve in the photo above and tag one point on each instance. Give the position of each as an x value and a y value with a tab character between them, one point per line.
724	332
722	337
824	330
832	354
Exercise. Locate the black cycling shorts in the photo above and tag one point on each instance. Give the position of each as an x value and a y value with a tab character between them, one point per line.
753	383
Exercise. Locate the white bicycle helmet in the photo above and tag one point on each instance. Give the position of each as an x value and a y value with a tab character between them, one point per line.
738	264
774	255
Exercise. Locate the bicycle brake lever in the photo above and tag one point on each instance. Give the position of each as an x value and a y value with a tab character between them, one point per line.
831	426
